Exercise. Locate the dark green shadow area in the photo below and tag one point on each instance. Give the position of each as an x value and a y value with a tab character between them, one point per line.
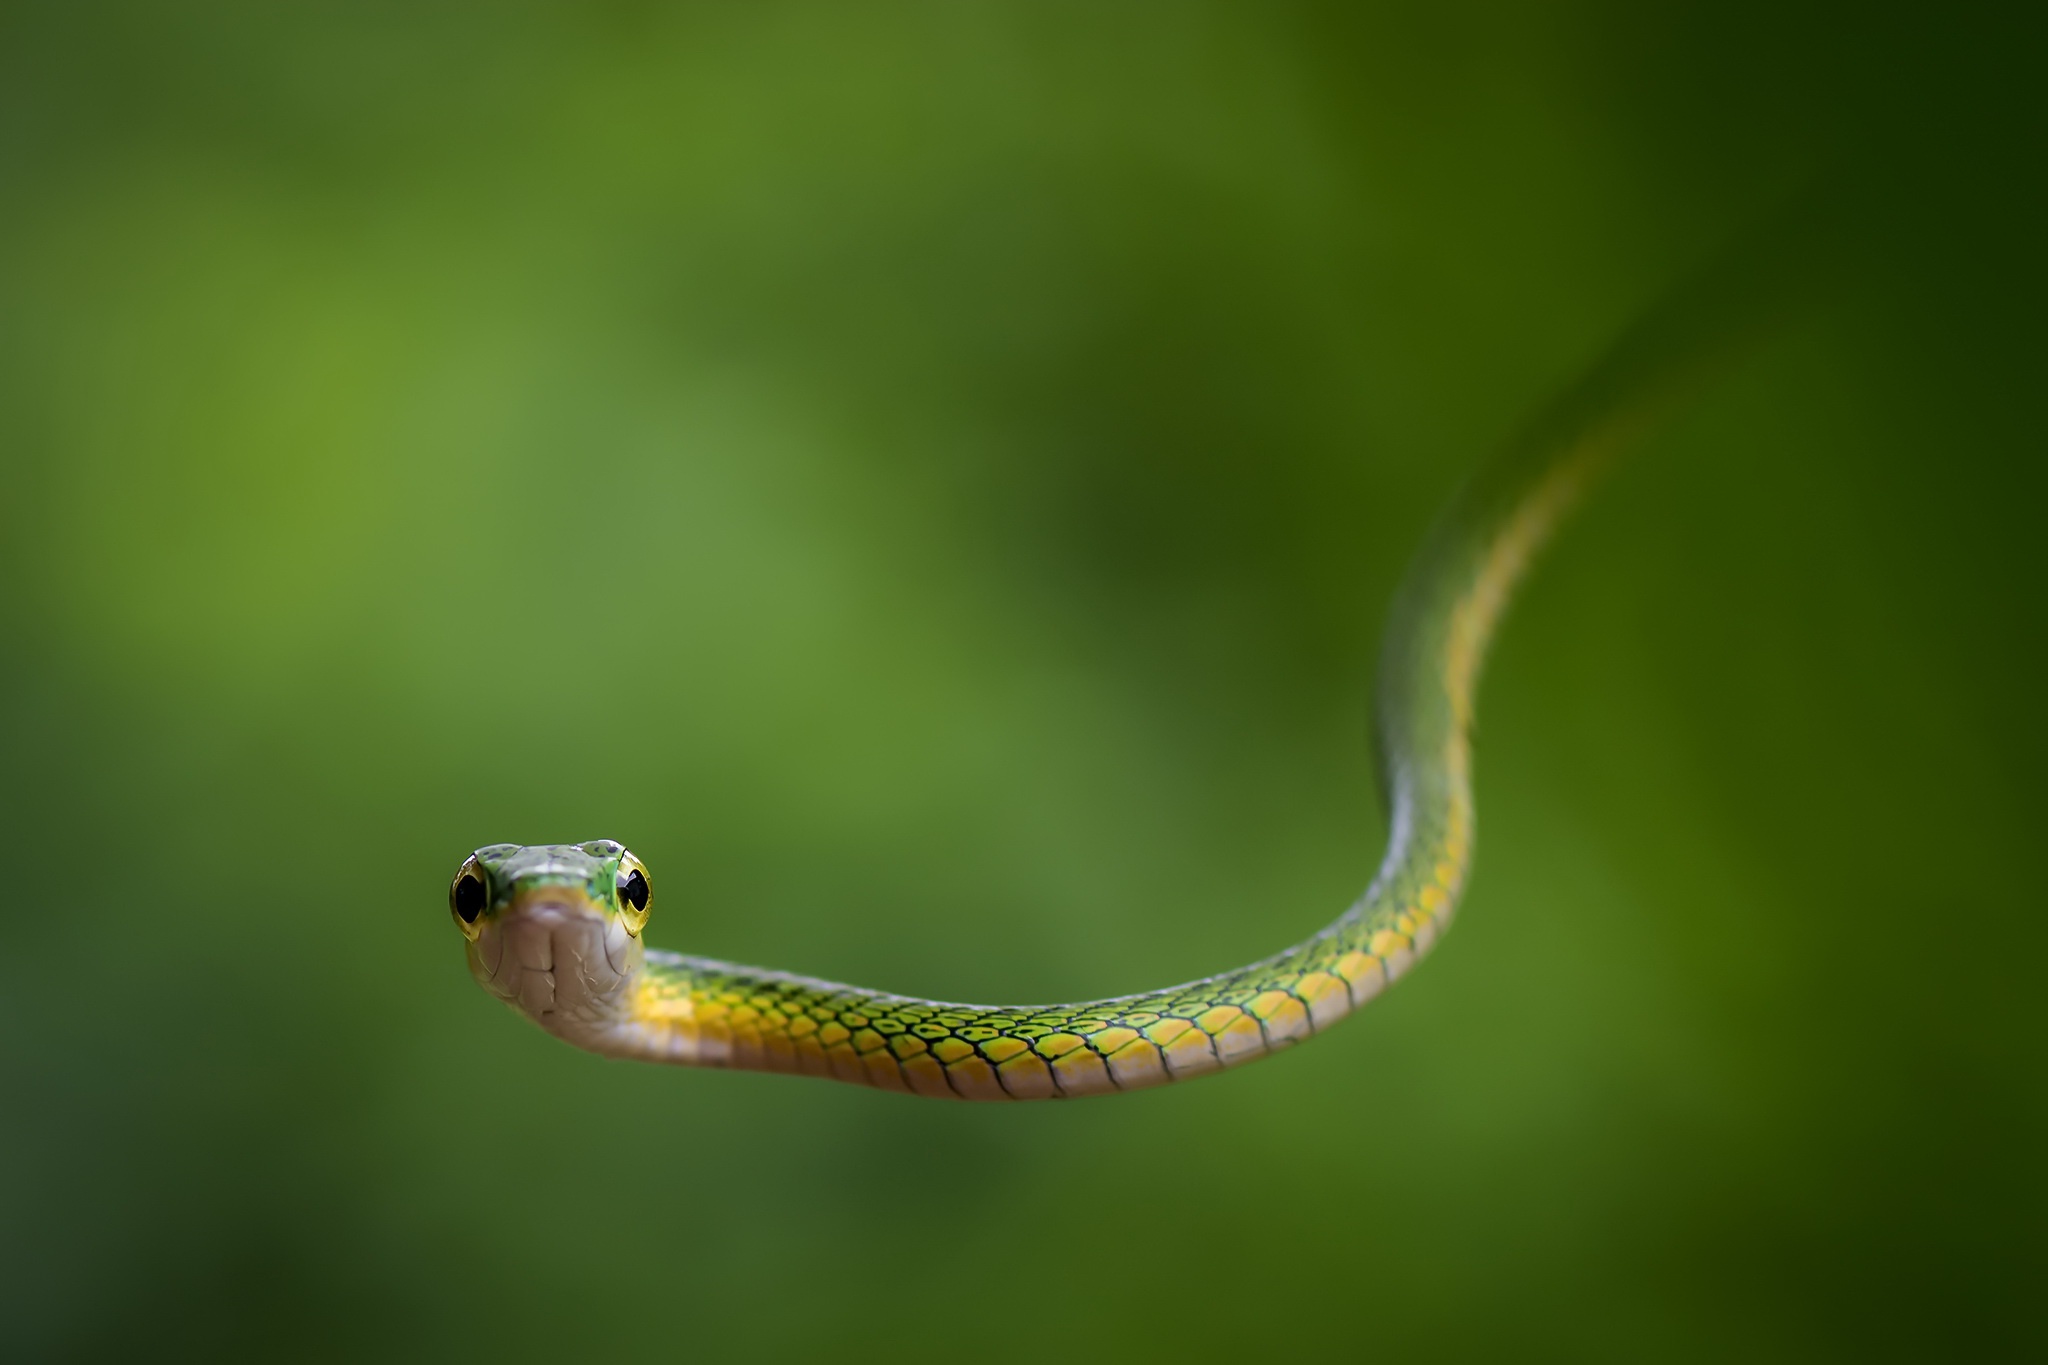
929	479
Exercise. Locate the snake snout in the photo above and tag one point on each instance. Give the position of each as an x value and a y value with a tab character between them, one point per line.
556	963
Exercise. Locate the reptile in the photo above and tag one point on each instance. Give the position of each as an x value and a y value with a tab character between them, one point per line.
557	931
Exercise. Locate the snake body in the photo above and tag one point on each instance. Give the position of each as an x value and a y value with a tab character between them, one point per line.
556	931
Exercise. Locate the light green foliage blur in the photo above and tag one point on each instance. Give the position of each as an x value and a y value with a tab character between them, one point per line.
928	479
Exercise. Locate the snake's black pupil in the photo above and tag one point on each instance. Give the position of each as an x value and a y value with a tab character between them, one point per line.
469	899
633	889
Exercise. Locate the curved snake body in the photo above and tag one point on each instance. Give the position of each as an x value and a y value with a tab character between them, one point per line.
551	932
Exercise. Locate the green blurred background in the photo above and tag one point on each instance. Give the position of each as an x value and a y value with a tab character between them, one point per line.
929	479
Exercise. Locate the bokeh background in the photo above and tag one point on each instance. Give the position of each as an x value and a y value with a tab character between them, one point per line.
929	478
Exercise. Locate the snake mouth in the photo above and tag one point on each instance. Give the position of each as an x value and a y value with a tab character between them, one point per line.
563	964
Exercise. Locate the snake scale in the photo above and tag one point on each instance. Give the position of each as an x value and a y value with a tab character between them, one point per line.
556	931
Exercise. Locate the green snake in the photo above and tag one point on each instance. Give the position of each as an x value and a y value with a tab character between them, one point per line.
556	931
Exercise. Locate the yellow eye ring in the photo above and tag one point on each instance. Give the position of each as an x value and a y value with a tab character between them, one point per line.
469	895
634	893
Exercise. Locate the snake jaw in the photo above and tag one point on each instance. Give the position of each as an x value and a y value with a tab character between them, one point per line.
563	963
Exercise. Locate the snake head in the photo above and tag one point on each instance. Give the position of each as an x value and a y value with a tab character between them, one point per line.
553	930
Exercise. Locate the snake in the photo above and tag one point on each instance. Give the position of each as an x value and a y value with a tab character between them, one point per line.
556	931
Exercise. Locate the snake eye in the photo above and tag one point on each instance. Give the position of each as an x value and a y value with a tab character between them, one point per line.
468	895
635	895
